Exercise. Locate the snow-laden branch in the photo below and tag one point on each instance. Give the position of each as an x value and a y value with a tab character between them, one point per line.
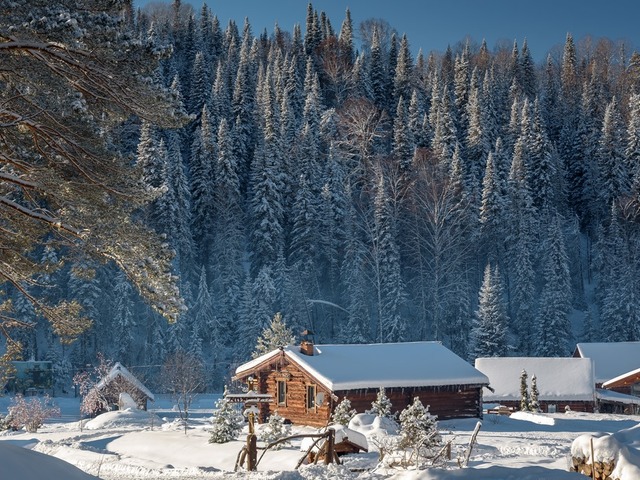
42	217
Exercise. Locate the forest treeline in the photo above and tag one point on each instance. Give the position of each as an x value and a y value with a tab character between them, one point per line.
472	197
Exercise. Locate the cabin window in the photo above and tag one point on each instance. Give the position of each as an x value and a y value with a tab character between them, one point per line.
282	392
311	397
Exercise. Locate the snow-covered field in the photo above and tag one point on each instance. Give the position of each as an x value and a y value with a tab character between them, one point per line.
149	445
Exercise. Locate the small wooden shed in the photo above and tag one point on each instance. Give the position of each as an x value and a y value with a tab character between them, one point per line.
306	382
120	380
561	382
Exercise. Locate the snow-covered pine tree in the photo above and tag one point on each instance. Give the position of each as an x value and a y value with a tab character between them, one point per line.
613	174
525	399
553	326
534	404
275	429
419	429
381	406
276	335
490	330
343	412
227	421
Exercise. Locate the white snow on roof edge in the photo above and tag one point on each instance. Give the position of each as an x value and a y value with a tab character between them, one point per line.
120	370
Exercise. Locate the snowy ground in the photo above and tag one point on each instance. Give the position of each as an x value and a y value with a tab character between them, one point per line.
143	446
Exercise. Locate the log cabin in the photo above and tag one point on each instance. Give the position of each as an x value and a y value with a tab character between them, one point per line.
306	382
563	383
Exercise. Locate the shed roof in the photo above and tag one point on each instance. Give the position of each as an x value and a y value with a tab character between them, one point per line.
611	359
624	380
558	379
349	367
119	370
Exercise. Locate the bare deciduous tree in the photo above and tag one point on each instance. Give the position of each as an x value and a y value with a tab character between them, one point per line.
183	377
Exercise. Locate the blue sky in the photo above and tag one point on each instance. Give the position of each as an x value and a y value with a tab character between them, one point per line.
432	25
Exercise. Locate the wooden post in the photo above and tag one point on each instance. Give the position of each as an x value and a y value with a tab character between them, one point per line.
471	442
330	450
593	460
252	446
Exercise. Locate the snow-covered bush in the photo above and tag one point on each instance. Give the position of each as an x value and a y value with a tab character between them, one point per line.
418	428
275	429
227	422
343	413
381	406
31	413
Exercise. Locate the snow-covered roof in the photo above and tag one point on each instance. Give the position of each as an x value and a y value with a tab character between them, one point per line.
611	360
625	379
120	370
616	397
349	367
558	379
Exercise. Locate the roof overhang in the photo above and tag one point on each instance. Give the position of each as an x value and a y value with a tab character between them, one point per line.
624	380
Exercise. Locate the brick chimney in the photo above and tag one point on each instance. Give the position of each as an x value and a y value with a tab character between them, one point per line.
306	345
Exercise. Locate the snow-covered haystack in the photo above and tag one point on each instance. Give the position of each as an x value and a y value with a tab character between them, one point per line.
129	417
615	456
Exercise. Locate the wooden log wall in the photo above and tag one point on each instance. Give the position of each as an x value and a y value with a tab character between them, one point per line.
446	402
295	409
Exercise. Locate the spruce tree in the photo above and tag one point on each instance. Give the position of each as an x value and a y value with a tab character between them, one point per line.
419	429
381	406
490	330
525	400
553	326
534	404
343	413
227	422
276	335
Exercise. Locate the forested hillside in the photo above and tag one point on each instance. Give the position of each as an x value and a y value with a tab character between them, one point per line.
372	195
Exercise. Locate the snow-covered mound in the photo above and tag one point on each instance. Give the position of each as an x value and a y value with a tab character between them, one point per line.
622	449
129	418
370	425
533	418
24	464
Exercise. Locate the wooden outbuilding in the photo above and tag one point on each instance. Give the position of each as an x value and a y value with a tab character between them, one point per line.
563	383
307	382
120	380
617	374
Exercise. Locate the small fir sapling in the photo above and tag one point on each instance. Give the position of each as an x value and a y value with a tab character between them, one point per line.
381	406
418	428
343	413
524	392
227	422
534	404
275	429
31	413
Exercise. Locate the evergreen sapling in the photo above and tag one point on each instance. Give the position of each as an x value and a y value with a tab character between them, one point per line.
343	413
227	422
418	428
275	429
